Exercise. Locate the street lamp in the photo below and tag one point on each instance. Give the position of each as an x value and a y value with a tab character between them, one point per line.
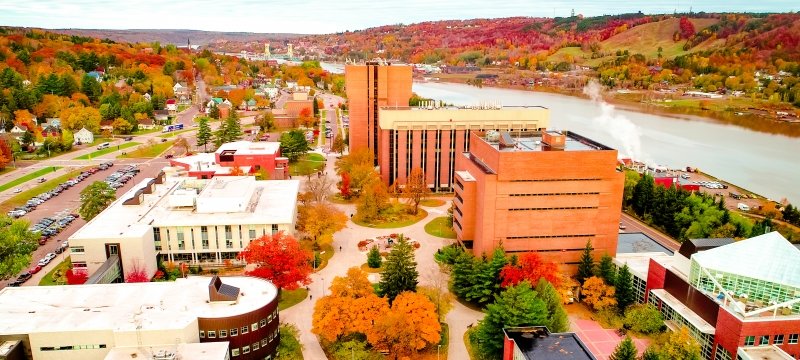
323	286
437	351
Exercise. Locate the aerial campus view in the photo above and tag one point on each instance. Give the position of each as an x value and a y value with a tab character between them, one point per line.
399	180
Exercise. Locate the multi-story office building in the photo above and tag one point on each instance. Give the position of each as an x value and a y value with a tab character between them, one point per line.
191	318
431	138
731	296
180	219
369	87
538	191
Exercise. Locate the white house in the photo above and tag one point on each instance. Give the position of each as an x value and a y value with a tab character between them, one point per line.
83	136
176	87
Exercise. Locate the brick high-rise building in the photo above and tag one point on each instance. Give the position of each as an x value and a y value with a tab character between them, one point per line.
538	191
370	87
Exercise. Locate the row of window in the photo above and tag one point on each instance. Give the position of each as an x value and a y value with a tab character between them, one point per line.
553	180
72	347
212	334
228	230
547	236
555	194
555	208
776	340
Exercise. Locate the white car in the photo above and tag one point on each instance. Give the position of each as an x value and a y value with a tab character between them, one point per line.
43	262
17	191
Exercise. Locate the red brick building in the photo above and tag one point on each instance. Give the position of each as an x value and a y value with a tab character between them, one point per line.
540	191
249	157
743	294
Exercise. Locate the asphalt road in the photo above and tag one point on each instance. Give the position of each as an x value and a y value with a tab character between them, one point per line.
632	225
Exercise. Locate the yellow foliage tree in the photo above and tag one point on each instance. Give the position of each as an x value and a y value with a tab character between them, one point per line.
680	345
320	220
352	307
597	294
410	326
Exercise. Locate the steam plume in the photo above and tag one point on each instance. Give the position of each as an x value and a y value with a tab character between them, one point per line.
617	125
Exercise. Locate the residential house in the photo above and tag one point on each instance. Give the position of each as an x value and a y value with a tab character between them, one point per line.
107	125
172	105
161	115
51	130
147	123
17	131
147	96
83	136
53	122
225	109
97	75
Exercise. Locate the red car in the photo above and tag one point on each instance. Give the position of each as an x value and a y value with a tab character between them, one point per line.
35	269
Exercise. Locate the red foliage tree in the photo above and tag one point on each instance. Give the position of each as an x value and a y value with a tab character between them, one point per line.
137	274
344	186
76	277
687	28
530	267
280	259
6	155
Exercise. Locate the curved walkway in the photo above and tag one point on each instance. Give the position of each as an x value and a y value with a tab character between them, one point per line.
349	256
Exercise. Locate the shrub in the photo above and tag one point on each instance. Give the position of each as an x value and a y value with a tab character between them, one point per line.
448	254
643	318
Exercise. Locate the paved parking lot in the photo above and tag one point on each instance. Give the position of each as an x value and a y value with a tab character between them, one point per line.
69	200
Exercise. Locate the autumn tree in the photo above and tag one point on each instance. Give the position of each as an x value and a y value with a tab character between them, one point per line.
680	345
121	126
319	188
320	220
76	276
338	144
625	350
266	121
586	264
597	294
410	326
95	198
344	186
352	307
399	271
305	118
279	259
360	168
623	287
516	306
181	143
6	153
137	274
416	188
373	201
530	267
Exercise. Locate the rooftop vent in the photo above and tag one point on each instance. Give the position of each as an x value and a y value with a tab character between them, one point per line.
554	139
217	291
506	141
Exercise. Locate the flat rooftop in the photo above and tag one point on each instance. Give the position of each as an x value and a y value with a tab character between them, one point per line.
250	148
771	352
217	350
639	263
121	307
528	141
271	202
538	345
637	242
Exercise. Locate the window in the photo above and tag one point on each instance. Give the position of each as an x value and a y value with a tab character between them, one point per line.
254	327
264	322
234	332
76	249
79	264
269	318
212	334
749	340
228	232
179	236
157	234
793	338
204	236
235	352
244	330
202	334
270	337
255	346
778	339
274	228
763	340
246	349
264	342
223	333
252	232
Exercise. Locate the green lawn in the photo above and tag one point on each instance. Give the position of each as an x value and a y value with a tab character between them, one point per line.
307	164
401	221
175	133
59	272
24	196
147	131
30	176
291	298
432	202
368	269
147	152
110	149
440	227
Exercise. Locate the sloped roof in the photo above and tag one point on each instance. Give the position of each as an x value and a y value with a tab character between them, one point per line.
768	257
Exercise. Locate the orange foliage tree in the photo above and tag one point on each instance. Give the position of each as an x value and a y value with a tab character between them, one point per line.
6	154
410	325
352	307
530	267
280	259
597	294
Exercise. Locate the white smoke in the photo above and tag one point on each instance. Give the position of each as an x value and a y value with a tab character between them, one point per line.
617	125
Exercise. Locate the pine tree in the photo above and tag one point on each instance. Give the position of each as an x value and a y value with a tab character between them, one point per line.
374	258
650	354
586	265
400	270
461	274
605	270
516	306
624	288
233	128
204	133
214	112
487	281
557	320
625	350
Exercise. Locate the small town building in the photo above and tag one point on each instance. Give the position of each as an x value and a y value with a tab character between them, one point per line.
83	136
536	342
249	157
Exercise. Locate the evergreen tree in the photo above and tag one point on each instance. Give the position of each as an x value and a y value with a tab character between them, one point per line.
91	88
625	350
643	194
557	320
400	270
487	279
374	258
516	306
649	354
214	112
233	128
461	274
221	135
624	288
605	270
586	265
204	133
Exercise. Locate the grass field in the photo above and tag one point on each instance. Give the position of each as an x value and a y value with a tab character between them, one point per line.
110	149
307	164
403	221
291	298
174	133
440	227
147	152
368	269
432	202
27	177
59	271
147	131
647	38
24	196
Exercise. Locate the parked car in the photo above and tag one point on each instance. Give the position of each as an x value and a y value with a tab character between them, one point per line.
35	269
24	277
128	138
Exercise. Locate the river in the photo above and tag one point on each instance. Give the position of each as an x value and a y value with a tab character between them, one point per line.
763	163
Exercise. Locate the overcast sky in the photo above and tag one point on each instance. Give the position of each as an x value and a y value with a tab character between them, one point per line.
326	16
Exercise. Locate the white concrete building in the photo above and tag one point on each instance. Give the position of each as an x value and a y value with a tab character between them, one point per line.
184	220
102	321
